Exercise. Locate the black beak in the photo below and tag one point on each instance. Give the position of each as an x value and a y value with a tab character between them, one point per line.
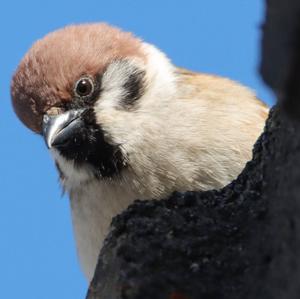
58	130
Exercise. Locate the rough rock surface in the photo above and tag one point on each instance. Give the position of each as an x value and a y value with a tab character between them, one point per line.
239	242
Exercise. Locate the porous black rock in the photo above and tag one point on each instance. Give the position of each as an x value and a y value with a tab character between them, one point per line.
242	241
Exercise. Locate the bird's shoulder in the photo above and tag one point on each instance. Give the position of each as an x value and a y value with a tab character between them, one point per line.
201	86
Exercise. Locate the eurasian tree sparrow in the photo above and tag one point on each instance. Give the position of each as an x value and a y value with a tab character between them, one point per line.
123	123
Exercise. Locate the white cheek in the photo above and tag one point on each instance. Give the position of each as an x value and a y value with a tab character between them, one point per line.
113	81
125	127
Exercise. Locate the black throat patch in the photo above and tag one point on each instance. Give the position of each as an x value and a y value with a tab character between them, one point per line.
89	146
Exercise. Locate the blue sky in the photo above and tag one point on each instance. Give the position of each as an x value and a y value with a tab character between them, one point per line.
37	250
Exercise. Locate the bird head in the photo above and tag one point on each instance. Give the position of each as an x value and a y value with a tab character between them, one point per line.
81	87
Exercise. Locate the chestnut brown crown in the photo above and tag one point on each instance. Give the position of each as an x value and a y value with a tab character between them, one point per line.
46	76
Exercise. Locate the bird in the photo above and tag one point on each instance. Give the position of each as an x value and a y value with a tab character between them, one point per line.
122	122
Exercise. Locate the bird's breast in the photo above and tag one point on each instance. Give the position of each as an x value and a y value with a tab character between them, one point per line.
93	206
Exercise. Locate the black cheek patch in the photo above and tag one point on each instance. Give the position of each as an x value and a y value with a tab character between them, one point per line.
89	146
134	88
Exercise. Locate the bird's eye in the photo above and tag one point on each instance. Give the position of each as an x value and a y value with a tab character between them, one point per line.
84	87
